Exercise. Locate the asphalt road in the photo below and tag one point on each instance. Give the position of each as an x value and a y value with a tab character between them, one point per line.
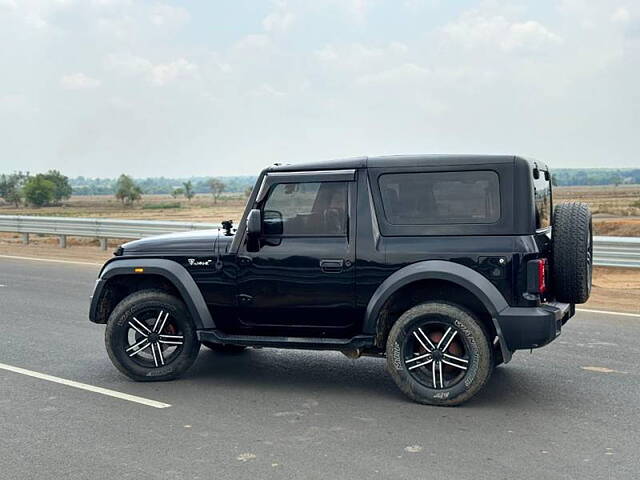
293	414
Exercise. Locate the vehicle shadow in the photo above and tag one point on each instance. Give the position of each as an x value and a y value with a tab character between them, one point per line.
332	373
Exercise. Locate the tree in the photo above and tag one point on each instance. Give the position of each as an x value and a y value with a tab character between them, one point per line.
127	191
187	188
11	187
62	189
216	186
176	192
39	191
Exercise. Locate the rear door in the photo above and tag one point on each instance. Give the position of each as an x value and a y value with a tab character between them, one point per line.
302	280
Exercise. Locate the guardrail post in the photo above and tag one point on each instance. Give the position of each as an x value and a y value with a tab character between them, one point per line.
103	243
25	238
63	241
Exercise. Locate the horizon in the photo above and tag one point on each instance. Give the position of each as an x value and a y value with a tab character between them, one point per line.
195	177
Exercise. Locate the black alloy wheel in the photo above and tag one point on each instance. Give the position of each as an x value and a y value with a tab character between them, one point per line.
150	336
439	354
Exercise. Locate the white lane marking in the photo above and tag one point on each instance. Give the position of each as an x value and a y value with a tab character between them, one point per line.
607	312
602	370
73	262
84	386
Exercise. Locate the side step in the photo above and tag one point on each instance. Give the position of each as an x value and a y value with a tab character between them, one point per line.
304	343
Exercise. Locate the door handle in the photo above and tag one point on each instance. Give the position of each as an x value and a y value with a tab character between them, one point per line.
331	266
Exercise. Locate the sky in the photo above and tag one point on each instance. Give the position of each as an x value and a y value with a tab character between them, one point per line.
190	88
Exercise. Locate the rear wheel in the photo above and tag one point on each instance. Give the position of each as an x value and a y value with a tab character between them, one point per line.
438	354
150	336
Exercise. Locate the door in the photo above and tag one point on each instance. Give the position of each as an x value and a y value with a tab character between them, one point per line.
301	281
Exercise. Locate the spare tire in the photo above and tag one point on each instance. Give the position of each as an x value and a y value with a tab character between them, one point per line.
572	256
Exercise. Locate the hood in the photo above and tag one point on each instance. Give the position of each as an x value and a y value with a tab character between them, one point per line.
183	243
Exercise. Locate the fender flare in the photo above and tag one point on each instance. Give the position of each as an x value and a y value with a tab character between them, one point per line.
463	276
172	271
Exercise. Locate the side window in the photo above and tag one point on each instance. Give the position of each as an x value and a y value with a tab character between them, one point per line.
542	195
441	198
314	208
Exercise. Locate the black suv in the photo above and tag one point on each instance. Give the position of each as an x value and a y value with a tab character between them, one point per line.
445	264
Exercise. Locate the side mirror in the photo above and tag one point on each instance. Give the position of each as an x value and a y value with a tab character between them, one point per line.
254	223
254	228
272	222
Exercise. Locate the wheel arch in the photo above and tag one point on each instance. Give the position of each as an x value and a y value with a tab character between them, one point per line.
123	277
435	280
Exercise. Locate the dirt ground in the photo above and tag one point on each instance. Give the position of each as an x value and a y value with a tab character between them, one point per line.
202	208
616	289
615	209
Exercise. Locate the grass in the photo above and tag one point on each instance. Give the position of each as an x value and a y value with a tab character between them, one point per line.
622	201
161	206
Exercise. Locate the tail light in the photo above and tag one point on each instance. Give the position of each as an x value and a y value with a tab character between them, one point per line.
537	276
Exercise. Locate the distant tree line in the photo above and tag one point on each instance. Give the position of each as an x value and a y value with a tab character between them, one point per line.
595	176
161	185
51	188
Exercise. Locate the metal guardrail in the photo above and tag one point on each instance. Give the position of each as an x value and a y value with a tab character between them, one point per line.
616	251
102	229
608	251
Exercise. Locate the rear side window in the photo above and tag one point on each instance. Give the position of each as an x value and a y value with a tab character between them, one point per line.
441	198
542	195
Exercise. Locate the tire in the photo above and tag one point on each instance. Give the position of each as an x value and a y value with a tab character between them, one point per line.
572	257
224	348
407	349
155	315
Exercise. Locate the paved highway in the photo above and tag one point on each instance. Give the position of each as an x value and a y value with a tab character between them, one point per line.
570	410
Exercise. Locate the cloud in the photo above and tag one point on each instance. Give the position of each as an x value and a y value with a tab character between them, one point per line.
620	15
398	75
159	74
79	81
360	57
164	73
475	30
8	5
254	41
278	21
168	16
127	64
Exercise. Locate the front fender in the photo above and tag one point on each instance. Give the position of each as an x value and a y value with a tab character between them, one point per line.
467	278
172	271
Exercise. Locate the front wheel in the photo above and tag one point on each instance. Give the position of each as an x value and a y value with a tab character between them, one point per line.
439	354
150	336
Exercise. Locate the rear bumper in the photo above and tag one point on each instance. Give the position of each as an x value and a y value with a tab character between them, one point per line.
524	328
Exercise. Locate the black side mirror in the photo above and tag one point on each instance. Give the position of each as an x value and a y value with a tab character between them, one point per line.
272	222
254	228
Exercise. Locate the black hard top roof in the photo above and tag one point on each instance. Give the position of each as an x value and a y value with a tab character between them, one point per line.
401	161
